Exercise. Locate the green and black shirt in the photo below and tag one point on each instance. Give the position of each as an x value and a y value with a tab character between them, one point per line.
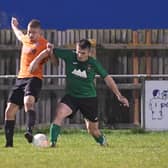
80	75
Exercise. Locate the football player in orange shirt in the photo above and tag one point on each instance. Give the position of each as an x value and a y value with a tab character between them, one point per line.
28	83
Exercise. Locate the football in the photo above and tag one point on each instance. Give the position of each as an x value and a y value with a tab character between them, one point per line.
40	140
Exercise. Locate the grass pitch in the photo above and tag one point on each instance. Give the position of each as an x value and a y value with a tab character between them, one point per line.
127	149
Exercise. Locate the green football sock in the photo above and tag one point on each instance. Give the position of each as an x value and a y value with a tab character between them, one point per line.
101	139
54	132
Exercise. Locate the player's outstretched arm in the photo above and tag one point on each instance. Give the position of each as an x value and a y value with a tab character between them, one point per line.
48	52
35	63
53	59
14	25
113	87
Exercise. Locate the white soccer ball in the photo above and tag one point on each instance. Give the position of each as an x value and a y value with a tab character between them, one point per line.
40	140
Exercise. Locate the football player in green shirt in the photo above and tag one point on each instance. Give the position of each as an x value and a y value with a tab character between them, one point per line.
81	91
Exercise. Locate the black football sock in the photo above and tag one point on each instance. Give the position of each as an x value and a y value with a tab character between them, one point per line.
9	132
31	118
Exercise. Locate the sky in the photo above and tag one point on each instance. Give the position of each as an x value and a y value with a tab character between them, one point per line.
78	14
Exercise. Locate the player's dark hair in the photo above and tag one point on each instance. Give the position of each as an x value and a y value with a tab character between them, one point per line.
34	23
84	43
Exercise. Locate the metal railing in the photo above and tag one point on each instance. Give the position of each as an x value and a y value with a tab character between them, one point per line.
98	76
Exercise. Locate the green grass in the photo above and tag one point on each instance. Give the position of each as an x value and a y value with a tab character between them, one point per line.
76	149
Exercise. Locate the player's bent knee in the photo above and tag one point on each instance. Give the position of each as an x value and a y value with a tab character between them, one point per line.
63	111
61	114
10	111
8	115
29	102
28	106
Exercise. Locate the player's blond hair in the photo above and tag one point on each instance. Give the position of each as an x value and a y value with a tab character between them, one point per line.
34	23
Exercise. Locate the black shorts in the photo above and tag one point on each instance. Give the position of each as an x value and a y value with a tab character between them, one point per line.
87	106
24	87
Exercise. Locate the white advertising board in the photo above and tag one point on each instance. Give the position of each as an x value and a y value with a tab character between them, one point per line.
155	105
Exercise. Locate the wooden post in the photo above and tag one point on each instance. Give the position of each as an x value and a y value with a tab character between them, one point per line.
135	80
147	53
